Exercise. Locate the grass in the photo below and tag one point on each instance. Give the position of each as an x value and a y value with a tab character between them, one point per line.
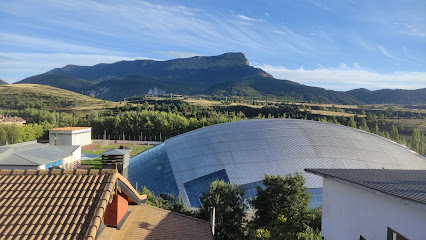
330	113
97	163
135	148
50	98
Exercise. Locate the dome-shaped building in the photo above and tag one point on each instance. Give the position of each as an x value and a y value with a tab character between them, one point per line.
243	152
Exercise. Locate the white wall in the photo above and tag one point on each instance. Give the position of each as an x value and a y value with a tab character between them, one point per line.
77	137
73	161
349	212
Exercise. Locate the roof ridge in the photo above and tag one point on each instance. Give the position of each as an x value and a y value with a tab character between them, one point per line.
178	214
19	155
98	215
56	172
129	185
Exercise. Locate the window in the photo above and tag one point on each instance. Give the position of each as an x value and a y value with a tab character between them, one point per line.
392	235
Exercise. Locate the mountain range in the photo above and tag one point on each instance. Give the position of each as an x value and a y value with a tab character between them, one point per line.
229	74
2	82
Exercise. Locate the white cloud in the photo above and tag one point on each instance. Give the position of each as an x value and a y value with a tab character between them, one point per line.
248	18
385	52
9	39
344	78
17	66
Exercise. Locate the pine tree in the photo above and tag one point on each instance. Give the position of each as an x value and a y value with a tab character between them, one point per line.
417	142
352	122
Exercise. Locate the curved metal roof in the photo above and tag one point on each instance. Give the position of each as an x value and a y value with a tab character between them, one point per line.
243	152
250	149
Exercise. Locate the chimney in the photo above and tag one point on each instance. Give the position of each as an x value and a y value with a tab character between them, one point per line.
116	212
117	159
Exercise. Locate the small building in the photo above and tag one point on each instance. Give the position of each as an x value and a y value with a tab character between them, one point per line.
373	204
85	205
70	136
33	155
12	120
117	159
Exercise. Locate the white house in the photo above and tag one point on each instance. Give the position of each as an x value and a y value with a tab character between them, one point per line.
70	136
368	204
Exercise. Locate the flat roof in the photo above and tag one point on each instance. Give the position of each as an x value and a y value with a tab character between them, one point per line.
33	153
403	184
117	152
69	128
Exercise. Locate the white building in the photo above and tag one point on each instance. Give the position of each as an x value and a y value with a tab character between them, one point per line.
33	155
367	204
70	136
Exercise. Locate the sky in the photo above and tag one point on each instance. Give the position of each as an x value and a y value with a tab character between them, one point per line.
335	44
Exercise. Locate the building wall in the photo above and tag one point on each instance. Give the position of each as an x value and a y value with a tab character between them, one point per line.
72	161
83	138
349	212
79	137
62	138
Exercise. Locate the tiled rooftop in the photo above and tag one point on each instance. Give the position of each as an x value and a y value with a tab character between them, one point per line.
69	128
151	223
405	184
54	204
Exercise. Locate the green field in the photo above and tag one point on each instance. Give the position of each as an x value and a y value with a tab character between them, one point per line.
135	149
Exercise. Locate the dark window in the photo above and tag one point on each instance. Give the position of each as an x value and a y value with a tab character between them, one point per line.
361	238
392	235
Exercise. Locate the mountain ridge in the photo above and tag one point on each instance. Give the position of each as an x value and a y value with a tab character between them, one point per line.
223	75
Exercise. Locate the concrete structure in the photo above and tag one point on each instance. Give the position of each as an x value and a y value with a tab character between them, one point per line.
12	120
70	136
243	152
373	204
33	155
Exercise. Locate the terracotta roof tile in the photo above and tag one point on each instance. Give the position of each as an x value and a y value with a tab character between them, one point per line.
69	128
53	204
147	222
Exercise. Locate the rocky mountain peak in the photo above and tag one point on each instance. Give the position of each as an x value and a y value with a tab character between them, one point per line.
200	62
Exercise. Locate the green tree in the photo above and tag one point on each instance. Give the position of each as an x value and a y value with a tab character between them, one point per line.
352	122
417	142
363	126
376	129
310	234
178	207
228	202
154	200
283	198
3	135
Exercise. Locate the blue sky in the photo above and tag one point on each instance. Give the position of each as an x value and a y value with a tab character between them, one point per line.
334	44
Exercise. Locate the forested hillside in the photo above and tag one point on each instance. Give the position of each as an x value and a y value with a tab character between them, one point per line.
395	96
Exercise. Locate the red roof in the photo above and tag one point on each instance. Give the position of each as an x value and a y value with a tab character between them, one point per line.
69	128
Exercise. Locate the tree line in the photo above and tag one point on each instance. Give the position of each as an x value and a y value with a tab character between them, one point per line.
159	120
